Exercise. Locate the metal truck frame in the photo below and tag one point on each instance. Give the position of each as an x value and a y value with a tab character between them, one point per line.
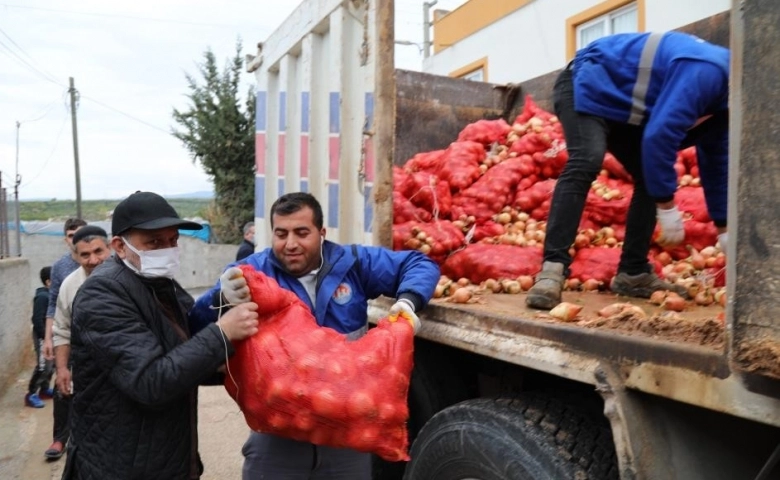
496	393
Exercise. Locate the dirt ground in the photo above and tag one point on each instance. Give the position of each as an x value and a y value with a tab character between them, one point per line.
26	432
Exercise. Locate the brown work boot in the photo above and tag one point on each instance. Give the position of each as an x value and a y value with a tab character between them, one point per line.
546	292
643	285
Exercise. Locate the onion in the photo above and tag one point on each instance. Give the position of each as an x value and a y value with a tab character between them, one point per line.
504	218
658	297
590	285
425	248
526	282
708	252
412	243
720	297
523	217
664	258
461	295
463	281
704	298
511	286
698	262
674	302
566	311
573	284
581	241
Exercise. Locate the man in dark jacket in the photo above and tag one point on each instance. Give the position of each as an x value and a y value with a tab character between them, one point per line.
41	377
247	246
643	97
136	367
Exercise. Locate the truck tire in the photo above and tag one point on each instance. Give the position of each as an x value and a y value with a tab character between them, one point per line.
434	385
532	437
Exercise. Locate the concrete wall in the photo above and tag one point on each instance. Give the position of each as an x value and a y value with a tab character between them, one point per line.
201	263
15	312
532	40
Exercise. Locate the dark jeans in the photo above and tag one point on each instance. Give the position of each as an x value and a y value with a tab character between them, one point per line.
587	140
61	417
277	458
41	376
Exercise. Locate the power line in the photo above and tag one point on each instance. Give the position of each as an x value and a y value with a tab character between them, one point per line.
46	111
18	47
51	154
125	114
119	15
15	56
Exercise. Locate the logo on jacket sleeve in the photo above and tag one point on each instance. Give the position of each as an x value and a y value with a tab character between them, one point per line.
343	294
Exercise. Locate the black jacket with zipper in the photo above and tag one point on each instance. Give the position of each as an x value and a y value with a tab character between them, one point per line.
135	376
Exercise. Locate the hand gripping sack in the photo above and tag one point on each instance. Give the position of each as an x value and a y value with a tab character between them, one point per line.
298	380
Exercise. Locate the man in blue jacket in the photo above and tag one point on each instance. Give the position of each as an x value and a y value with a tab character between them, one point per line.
643	97
336	282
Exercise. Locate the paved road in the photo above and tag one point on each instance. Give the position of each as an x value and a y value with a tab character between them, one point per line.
26	432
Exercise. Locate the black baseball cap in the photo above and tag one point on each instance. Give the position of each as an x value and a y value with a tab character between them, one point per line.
88	231
147	211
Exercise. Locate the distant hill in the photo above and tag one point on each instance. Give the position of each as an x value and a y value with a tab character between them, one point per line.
201	194
185	205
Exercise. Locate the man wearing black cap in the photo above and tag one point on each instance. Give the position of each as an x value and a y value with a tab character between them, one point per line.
136	367
90	249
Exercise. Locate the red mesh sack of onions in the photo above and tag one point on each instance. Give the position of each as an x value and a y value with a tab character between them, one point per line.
481	261
298	380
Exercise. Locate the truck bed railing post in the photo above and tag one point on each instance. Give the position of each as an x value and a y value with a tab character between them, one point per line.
754	172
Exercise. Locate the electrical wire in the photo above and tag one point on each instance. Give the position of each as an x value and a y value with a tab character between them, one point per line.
15	56
119	15
126	114
51	154
18	47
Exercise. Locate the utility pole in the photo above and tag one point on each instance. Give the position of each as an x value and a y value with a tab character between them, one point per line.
73	99
17	181
427	27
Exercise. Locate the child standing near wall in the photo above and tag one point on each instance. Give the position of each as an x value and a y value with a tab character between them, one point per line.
41	377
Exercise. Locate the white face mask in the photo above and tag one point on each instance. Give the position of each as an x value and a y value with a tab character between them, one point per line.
155	263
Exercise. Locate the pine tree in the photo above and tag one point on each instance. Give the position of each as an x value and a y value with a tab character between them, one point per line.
220	135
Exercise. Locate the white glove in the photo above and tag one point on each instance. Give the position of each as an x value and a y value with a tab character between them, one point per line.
233	286
723	239
404	308
672	230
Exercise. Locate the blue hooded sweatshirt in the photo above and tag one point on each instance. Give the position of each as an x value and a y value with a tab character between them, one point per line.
348	278
689	80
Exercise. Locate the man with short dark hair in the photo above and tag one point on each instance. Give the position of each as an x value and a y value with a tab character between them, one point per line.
336	282
247	246
41	377
136	367
61	269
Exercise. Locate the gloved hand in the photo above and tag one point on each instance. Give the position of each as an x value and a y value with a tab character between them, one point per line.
723	239
404	308
233	285
671	224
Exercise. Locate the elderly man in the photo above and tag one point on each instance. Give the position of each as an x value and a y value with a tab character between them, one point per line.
136	367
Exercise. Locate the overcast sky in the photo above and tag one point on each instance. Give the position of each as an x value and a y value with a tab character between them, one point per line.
128	60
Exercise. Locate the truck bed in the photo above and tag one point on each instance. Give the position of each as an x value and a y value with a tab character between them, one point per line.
687	363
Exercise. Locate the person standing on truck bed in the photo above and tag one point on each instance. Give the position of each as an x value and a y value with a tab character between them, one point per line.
336	282
643	97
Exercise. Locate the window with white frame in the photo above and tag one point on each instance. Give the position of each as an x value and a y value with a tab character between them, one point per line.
622	20
477	75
